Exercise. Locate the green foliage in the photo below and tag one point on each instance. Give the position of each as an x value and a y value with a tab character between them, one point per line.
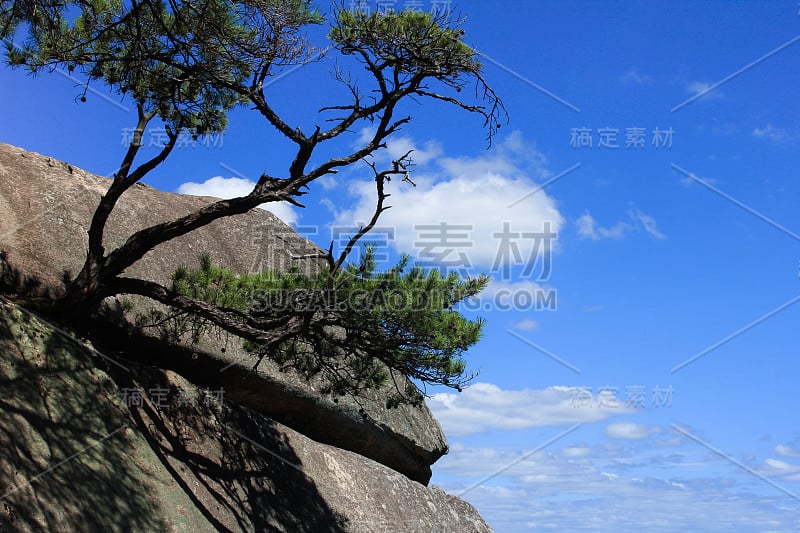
188	62
184	61
358	323
413	42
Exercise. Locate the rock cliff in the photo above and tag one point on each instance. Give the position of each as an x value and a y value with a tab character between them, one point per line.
87	447
45	209
273	454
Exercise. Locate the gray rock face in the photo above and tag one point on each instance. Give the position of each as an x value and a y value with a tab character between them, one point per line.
80	454
45	208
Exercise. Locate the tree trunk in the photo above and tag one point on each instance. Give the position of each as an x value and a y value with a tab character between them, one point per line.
83	294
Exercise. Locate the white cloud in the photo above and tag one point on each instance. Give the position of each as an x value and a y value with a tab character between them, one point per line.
575	452
484	406
218	187
703	88
608	503
686	181
673	441
523	295
633	76
398	146
473	192
506	158
226	188
697	86
628	431
773	134
327	182
526	325
781	467
566	487
625	483
786	451
647	222
588	227
364	136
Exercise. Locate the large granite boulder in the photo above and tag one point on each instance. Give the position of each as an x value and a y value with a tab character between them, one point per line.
90	446
45	209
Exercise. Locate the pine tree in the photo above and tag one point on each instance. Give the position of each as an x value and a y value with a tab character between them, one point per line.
187	64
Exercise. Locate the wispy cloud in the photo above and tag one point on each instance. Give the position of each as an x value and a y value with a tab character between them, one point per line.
703	89
688	182
484	406
787	451
398	146
634	77
628	483
773	134
588	228
647	222
780	469
629	431
526	325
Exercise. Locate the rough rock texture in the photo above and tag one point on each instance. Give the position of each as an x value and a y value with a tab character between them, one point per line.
80	453
45	208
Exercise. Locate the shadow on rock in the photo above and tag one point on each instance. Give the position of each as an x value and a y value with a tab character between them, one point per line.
64	458
14	283
90	446
237	468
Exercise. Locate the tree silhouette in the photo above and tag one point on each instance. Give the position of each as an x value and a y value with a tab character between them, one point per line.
187	64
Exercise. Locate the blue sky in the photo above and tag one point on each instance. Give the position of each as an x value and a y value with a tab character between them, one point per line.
662	251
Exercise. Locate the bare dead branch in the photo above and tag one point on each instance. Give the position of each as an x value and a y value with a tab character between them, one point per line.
380	179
